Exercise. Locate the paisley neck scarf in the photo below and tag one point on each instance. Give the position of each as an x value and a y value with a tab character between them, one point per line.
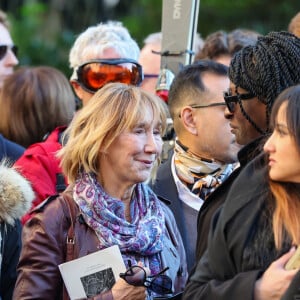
202	176
138	240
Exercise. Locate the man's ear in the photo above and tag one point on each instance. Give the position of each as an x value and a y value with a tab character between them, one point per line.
189	120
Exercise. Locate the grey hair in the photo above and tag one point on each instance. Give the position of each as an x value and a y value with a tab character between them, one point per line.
92	42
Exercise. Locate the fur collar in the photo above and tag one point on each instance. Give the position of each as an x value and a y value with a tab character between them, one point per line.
16	194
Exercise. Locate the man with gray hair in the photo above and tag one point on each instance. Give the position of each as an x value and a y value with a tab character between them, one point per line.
101	54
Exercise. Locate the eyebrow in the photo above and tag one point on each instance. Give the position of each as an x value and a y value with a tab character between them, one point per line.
281	126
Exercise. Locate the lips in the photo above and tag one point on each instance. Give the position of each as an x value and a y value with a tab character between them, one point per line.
147	162
271	161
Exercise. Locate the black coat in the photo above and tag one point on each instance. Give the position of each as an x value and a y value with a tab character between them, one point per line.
10	251
220	273
217	198
165	187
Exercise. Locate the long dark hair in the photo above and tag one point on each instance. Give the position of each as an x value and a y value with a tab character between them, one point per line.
286	217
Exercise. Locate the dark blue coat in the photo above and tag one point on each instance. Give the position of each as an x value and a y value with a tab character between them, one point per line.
10	149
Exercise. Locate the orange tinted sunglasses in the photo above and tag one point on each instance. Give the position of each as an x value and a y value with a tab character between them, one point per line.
94	74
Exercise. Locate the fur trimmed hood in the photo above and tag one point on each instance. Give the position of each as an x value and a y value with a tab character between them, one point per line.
16	194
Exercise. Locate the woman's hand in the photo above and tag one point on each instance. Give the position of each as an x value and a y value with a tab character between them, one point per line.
124	291
275	280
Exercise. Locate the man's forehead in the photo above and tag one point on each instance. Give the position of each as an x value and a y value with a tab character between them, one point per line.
94	53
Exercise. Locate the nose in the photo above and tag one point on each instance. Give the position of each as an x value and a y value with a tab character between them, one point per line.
269	146
10	59
153	144
227	113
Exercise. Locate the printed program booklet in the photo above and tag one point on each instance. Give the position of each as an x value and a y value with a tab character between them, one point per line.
92	274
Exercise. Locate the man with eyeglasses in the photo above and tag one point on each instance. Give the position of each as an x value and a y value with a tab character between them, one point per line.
101	54
231	267
205	149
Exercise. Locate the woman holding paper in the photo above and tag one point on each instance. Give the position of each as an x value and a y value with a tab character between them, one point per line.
112	147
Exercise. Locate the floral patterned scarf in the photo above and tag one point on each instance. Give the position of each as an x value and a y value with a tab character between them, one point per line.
138	240
200	175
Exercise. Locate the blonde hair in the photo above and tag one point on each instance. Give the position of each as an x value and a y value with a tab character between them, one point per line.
113	109
286	214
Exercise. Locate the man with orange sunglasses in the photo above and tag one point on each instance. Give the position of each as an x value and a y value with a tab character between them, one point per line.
101	54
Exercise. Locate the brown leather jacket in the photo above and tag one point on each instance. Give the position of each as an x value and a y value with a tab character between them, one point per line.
44	248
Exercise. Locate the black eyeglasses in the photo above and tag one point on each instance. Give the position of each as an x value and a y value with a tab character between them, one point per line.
5	48
209	105
205	106
231	100
159	283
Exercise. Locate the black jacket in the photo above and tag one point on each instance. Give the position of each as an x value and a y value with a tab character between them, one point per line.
219	273
217	198
165	187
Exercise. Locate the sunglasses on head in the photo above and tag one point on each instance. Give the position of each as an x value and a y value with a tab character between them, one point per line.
5	48
232	100
159	283
94	74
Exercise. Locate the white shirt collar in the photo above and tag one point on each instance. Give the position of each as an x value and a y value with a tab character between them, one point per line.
184	193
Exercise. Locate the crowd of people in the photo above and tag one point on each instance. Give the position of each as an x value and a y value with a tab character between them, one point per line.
201	193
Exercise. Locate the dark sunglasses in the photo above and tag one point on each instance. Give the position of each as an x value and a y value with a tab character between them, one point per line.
5	48
231	100
159	283
93	75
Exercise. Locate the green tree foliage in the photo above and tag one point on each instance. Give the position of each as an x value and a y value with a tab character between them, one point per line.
44	30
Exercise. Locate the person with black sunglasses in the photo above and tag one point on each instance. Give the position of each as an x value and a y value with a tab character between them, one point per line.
240	245
8	50
8	60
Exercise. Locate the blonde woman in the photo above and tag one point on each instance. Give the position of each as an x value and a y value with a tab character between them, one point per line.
113	145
